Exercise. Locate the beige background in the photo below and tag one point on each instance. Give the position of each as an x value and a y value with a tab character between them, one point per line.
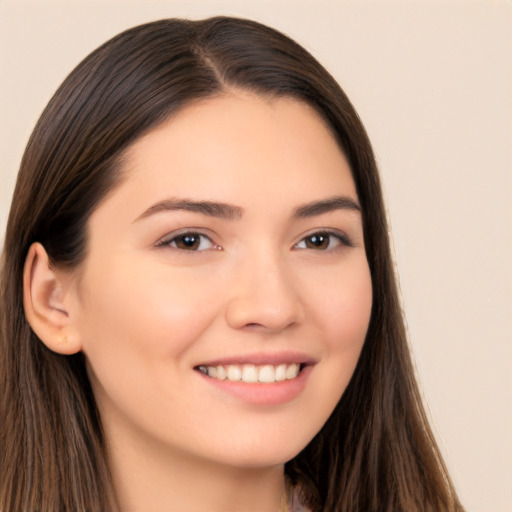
432	83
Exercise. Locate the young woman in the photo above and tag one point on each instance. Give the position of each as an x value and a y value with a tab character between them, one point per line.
198	307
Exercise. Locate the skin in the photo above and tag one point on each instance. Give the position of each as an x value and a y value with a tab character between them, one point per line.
146	312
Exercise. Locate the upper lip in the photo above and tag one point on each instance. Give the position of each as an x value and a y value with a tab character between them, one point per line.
262	358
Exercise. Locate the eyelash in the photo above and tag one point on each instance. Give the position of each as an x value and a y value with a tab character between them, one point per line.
324	234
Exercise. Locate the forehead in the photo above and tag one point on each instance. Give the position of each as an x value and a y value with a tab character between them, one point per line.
265	155
239	138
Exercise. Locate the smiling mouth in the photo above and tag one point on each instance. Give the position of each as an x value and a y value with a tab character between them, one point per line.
250	373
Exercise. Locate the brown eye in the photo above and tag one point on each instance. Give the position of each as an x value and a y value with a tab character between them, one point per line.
323	241
318	241
189	241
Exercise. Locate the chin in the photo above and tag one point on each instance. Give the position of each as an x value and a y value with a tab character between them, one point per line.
249	454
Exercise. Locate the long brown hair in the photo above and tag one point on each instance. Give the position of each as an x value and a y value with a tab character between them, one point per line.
376	452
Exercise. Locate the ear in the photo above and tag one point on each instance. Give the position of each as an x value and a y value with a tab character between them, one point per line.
48	296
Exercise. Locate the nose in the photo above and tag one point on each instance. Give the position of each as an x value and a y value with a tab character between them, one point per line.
264	296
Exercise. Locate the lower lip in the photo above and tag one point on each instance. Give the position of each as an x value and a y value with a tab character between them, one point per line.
260	393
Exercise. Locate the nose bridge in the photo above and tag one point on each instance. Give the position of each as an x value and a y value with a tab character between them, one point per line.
264	294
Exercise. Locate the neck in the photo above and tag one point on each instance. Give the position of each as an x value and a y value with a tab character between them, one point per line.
148	479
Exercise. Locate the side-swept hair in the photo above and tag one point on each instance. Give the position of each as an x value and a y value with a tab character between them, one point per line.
375	453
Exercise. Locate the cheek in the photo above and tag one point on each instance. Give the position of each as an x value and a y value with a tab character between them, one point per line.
343	316
343	306
138	334
142	316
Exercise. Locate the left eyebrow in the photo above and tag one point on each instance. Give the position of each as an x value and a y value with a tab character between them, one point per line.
326	205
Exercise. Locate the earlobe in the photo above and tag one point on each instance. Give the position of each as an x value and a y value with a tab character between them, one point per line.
48	303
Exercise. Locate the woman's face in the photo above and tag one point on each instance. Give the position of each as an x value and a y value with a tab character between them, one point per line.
234	248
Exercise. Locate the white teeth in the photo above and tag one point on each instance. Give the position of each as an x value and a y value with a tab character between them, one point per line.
292	371
266	373
234	373
221	372
250	373
280	373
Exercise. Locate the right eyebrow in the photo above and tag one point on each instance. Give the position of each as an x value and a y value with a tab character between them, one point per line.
212	209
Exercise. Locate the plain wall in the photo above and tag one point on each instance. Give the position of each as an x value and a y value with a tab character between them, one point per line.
432	82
